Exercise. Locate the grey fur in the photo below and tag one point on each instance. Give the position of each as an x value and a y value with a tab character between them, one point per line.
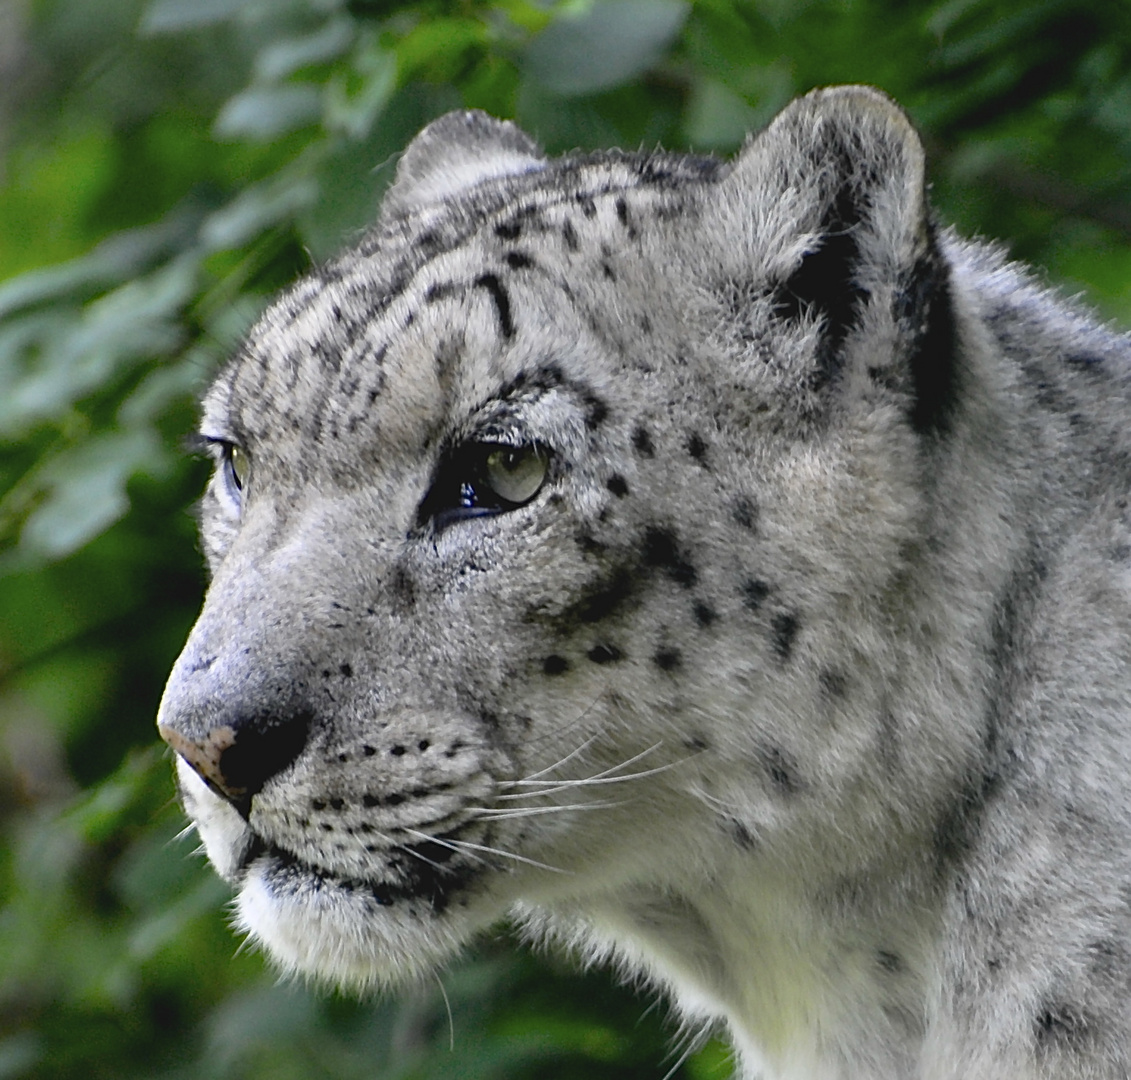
800	683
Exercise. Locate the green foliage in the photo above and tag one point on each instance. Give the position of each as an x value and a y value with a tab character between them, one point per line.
166	165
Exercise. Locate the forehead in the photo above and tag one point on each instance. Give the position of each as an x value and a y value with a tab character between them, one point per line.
435	310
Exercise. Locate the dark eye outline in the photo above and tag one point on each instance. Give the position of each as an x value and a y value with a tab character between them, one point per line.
236	479
460	489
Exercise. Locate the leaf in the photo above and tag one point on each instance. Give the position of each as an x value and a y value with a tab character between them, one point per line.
85	488
608	44
352	109
163	16
257	208
73	357
284	58
263	113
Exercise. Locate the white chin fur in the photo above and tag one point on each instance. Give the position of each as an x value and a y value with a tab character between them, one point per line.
312	926
223	832
336	936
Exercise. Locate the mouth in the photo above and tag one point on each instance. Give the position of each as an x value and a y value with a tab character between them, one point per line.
428	873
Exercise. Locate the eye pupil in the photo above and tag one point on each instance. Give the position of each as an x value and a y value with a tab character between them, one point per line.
515	474
239	466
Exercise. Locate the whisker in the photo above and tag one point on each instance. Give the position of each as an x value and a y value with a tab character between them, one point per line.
467	845
448	1009
569	757
532	780
495	814
566	785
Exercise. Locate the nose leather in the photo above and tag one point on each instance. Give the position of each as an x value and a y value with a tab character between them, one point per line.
236	761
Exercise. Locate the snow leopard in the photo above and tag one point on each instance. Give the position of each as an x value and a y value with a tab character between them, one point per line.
720	568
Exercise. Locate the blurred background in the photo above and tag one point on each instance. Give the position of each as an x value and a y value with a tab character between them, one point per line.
165	165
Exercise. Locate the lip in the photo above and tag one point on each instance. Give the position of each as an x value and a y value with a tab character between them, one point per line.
432	872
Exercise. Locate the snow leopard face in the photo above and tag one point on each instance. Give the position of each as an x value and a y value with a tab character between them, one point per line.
551	532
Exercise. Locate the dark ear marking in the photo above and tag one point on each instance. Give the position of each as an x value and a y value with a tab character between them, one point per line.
824	284
925	307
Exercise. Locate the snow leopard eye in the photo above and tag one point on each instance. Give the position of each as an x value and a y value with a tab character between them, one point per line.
234	467
237	465
515	474
481	478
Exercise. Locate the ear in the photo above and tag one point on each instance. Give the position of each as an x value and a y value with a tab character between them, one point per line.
456	152
831	202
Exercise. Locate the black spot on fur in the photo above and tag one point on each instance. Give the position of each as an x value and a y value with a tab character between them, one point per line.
622	210
608	271
439	290
403	589
1059	1025
596	411
784	627
509	230
555	665
501	300
754	593
588	206
744	510
346	670
642	441
519	260
834	683
589	544
889	961
604	654
781	770
661	549
667	659
705	615
696	447
618	485
743	837
604	598
569	235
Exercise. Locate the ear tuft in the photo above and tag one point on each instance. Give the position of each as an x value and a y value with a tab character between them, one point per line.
456	152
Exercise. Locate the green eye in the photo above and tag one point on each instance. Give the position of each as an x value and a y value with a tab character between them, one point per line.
515	474
239	467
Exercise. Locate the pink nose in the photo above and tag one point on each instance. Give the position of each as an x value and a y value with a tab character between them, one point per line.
206	757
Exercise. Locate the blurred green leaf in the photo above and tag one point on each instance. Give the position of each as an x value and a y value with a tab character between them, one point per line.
265	112
603	44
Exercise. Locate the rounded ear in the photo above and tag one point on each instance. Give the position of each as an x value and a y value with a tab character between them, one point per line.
826	209
843	162
456	152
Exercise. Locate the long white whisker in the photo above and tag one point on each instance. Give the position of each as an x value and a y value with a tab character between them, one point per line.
569	757
184	834
448	1009
494	814
566	785
533	781
467	845
451	845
